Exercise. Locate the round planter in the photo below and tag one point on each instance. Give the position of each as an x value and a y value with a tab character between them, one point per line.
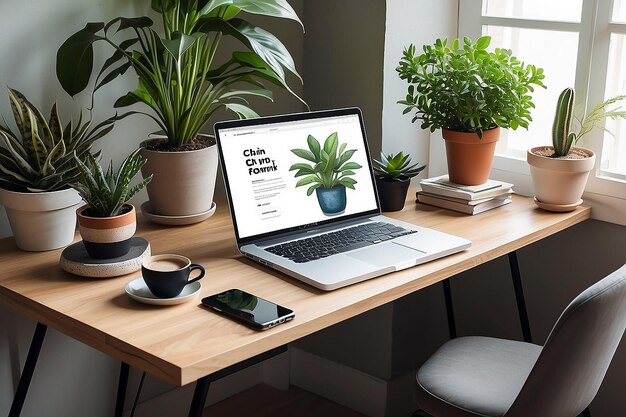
332	200
469	157
559	182
107	237
183	183
392	193
41	221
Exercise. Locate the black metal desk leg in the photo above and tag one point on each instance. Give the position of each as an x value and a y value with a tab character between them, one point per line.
122	385
519	297
447	293
29	369
199	396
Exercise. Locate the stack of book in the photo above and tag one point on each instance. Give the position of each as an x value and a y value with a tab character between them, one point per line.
469	199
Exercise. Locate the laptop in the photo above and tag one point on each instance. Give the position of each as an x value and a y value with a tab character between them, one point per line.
303	200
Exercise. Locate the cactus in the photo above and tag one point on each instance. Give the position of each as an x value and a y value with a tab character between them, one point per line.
562	137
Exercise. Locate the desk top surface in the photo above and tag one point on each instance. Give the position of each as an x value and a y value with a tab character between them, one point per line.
184	342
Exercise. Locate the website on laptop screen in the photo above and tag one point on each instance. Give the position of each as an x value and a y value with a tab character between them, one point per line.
289	174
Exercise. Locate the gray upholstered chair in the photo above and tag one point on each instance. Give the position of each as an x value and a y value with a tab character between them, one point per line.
481	376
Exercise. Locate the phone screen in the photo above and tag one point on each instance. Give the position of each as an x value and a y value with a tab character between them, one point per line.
250	309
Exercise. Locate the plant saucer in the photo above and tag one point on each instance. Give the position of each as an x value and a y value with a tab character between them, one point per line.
139	291
561	208
176	220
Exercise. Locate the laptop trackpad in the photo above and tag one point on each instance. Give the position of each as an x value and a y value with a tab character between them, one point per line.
387	254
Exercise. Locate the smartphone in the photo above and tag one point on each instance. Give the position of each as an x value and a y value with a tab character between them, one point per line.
249	309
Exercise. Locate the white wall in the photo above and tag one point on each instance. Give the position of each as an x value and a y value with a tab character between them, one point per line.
418	22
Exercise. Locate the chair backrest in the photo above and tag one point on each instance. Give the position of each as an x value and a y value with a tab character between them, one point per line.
577	353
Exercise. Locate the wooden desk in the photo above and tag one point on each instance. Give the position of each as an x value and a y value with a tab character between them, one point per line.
183	343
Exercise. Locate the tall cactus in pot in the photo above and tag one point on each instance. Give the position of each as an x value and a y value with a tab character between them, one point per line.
562	136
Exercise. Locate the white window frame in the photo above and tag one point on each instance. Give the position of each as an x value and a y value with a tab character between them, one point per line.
606	194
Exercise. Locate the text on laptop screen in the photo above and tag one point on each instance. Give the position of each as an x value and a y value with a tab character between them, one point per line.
289	174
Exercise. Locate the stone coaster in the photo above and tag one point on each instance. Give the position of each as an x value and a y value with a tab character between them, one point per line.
75	260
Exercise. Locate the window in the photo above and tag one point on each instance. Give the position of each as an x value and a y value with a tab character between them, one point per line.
579	43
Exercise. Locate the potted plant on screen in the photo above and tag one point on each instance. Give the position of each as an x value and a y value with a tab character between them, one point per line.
469	93
183	84
328	173
36	167
108	222
393	175
560	171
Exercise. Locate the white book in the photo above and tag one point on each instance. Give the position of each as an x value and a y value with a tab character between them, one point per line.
464	207
441	186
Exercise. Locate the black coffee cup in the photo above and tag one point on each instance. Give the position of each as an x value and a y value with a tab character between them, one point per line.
167	275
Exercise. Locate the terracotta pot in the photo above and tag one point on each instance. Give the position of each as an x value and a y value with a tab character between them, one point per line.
469	157
41	221
559	182
392	193
107	237
183	183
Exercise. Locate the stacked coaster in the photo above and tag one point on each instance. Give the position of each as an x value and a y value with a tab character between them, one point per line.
75	260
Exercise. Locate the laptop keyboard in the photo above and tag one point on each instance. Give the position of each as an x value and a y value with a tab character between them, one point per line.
344	240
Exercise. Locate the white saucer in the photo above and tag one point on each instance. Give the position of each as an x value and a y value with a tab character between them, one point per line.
176	220
138	290
558	207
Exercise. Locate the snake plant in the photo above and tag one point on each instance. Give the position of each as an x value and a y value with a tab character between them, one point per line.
107	192
40	155
396	167
179	77
330	164
563	137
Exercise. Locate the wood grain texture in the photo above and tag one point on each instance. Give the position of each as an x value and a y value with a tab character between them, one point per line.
181	343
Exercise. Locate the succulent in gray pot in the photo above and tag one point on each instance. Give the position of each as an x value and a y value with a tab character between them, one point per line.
36	166
183	82
560	172
393	175
108	222
469	93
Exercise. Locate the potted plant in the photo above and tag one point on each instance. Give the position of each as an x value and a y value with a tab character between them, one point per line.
183	84
469	93
393	175
329	174
560	171
108	222
36	167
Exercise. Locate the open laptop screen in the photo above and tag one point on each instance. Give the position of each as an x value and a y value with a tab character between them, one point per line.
296	171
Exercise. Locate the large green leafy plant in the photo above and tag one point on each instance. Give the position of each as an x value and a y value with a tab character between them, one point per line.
464	87
563	136
178	76
329	165
40	155
107	192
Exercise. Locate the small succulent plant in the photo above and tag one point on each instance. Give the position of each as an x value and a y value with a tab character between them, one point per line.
40	155
396	167
563	137
107	192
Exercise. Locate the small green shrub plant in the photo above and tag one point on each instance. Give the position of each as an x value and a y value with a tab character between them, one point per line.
462	86
396	167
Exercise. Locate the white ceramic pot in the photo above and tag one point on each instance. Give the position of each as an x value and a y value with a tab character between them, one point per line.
41	221
559	182
183	183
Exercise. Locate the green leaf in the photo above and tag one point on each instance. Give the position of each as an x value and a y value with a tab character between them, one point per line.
178	44
312	188
306	180
75	58
304	154
314	146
